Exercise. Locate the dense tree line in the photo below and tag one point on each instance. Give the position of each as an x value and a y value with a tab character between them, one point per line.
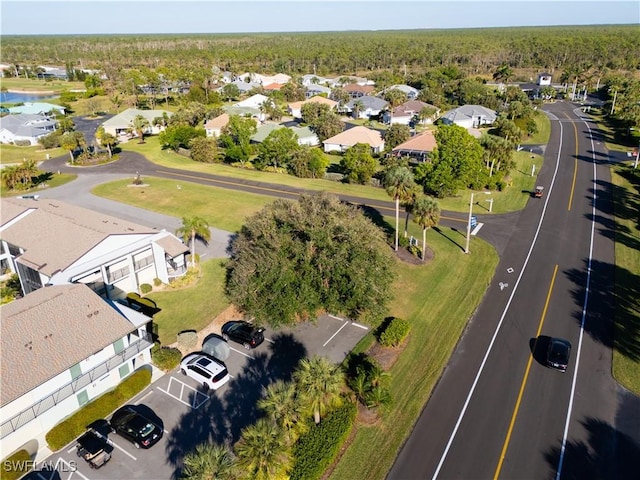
474	51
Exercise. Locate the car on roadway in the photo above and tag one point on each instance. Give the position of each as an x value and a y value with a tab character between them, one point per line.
207	370
135	427
558	353
243	332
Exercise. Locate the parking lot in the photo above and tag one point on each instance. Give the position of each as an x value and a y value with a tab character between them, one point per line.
191	416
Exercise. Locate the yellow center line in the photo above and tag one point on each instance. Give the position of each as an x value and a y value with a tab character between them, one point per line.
524	380
575	165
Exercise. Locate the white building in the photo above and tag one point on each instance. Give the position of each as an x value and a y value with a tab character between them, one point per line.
24	127
48	242
62	346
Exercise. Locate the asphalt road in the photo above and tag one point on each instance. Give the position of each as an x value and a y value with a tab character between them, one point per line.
497	411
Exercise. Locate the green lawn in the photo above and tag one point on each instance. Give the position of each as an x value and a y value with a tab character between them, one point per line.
194	307
14	154
626	353
35	85
512	199
544	130
615	134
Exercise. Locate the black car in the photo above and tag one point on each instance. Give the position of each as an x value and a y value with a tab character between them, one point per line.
558	354
136	428
243	332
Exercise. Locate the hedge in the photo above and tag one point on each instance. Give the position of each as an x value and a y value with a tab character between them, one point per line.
165	358
100	408
15	466
394	333
319	447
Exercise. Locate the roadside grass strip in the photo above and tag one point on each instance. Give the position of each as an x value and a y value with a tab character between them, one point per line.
180	389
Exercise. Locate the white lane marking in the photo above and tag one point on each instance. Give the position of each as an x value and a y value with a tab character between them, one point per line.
123	450
584	311
197	393
502	317
241	352
337	332
477	229
359	326
333	316
269	340
143	397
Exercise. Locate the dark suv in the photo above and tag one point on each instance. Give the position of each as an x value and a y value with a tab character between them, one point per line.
558	354
243	332
136	428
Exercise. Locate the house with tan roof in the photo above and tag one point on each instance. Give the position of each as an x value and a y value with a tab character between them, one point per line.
214	126
356	90
295	108
61	347
408	113
348	138
418	147
48	242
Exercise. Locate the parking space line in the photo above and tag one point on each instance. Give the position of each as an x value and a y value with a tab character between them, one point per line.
333	316
337	332
123	450
145	396
269	340
195	405
359	326
242	353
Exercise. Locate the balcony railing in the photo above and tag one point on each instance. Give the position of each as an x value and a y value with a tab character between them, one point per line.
176	271
28	414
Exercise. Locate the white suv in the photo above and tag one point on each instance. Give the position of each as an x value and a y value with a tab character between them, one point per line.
208	371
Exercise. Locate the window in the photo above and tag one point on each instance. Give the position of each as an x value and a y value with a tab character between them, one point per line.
124	370
118	345
83	398
75	371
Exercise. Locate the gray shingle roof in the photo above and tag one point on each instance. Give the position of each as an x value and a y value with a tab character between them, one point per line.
50	330
368	101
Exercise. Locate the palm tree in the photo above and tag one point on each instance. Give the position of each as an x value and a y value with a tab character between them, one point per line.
69	141
139	124
320	382
263	451
28	169
357	108
209	461
194	228
10	176
398	181
282	404
426	213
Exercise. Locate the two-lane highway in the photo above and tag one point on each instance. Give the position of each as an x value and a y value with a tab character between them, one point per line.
498	411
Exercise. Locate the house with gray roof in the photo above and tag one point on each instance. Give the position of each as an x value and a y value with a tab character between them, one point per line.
61	347
369	106
470	116
38	108
410	92
314	90
122	123
111	256
24	127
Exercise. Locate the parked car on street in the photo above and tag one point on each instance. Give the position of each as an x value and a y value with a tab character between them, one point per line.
558	354
205	369
133	426
243	332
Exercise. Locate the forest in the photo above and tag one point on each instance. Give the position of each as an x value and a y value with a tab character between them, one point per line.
475	52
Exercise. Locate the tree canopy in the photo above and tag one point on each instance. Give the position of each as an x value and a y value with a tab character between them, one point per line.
283	267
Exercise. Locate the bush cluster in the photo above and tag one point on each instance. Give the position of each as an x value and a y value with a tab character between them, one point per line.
14	466
188	338
165	358
394	333
101	407
318	448
145	288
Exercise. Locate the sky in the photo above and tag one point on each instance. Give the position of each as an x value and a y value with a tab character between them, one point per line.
30	17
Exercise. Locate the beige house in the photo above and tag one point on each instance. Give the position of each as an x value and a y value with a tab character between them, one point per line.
295	108
214	126
348	138
122	123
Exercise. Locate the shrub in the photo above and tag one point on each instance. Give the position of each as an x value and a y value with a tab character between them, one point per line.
318	448
101	407
165	358
414	250
145	288
188	338
395	332
22	143
157	282
15	466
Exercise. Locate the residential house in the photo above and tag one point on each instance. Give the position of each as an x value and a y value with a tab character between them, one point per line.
214	126
410	92
57	73
356	90
23	128
295	108
306	136
48	242
544	79
470	116
243	87
345	80
316	90
254	101
418	147
352	136
263	131
38	108
272	87
367	106
122	124
62	346
407	113
312	79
